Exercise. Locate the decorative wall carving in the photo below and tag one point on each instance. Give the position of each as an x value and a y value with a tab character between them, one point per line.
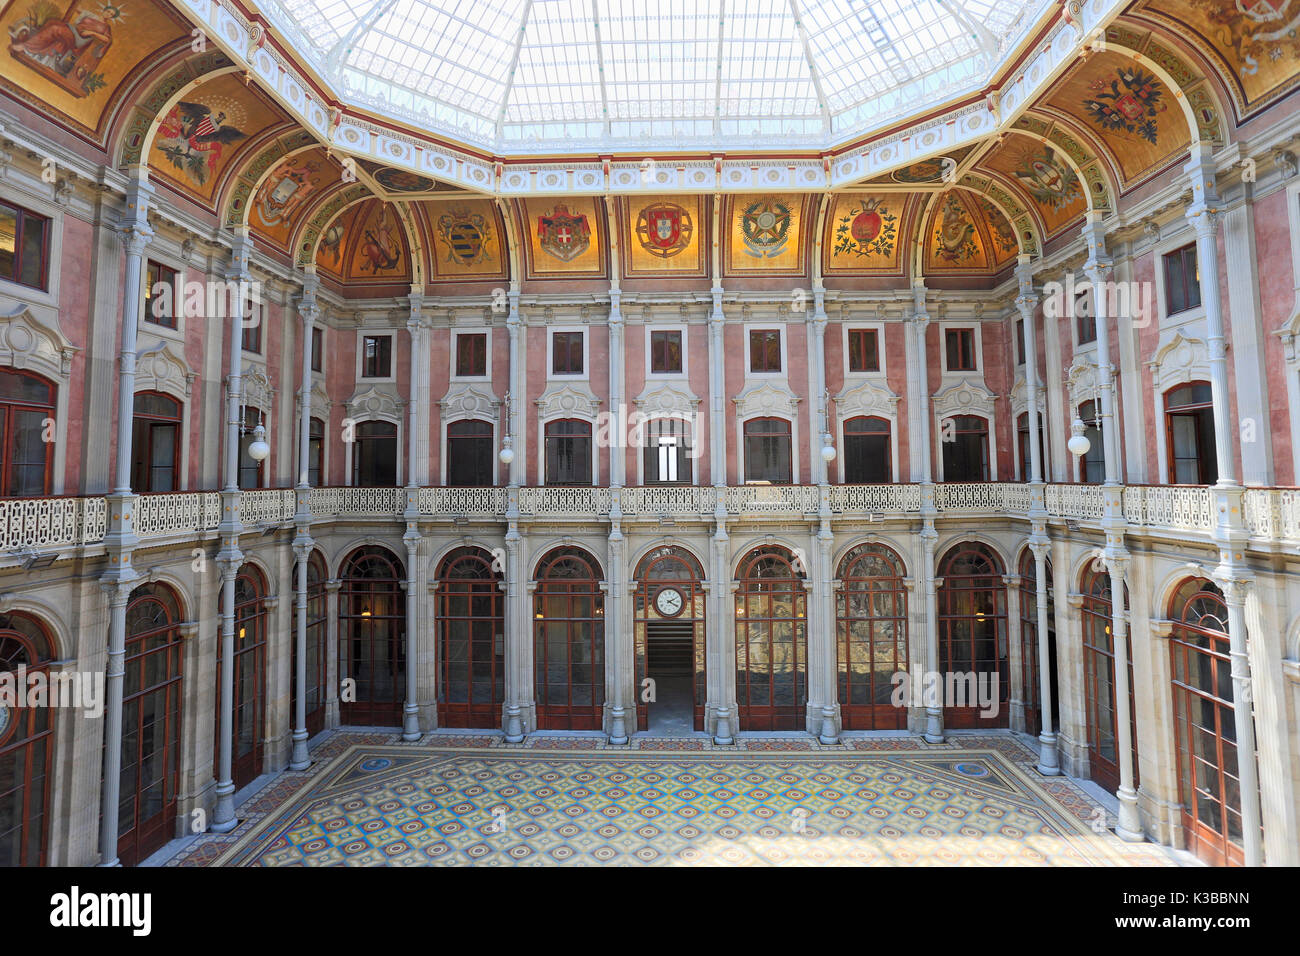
468	401
766	398
28	343
159	369
568	400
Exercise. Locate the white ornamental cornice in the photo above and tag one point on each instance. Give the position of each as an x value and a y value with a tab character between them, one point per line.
376	401
968	396
766	398
468	401
568	400
159	369
1178	361
866	398
35	345
301	83
659	399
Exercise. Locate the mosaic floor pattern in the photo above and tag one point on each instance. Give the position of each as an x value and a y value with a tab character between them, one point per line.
477	801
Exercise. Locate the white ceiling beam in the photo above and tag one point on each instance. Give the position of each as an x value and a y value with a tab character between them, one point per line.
514	65
822	105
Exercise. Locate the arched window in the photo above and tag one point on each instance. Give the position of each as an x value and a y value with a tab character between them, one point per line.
568	452
771	642
569	641
872	637
372	637
1092	465
669	618
973	638
965	441
317	623
250	676
867	456
469	453
1030	679
151	723
26	459
374	454
667	452
26	747
1189	434
471	644
1022	446
251	471
768	451
1099	677
156	443
1205	724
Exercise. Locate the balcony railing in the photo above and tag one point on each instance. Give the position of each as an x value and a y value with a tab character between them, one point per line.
1272	515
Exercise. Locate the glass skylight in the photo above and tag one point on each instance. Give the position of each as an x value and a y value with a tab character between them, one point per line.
530	76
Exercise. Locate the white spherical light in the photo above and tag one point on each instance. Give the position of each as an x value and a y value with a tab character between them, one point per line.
1078	443
828	452
507	455
258	449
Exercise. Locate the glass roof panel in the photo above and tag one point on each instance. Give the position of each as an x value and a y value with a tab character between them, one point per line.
567	75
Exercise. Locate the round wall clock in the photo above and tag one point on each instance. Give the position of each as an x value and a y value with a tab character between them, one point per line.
669	602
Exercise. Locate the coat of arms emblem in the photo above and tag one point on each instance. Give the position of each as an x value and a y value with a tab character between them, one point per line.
289	186
664	229
1129	103
563	234
466	235
765	228
867	228
1049	180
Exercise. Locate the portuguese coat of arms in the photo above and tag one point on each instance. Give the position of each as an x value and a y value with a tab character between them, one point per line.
563	234
765	228
664	229
466	235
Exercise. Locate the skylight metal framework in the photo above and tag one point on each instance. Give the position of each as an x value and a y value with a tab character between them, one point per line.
519	76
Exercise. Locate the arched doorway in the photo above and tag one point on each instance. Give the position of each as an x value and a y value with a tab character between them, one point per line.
372	638
1205	724
471	640
669	617
250	677
1099	681
973	638
569	641
1030	676
317	662
26	745
771	642
871	617
151	723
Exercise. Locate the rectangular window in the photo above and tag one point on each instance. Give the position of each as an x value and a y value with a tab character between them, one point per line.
566	353
24	246
667	452
1182	280
767	451
765	350
315	452
377	356
959	345
864	350
250	470
317	347
666	352
469	453
374	455
966	449
161	294
867	457
252	341
1020	341
568	452
1085	317
471	354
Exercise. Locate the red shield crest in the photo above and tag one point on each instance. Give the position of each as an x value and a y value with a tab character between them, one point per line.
563	234
664	229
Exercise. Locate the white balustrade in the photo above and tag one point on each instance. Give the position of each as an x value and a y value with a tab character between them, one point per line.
186	512
987	496
466	502
577	502
875	499
41	523
772	499
266	506
1076	502
1171	507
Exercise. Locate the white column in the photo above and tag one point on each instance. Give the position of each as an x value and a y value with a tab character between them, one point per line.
929	536
1234	594
229	558
1097	268
1129	826
120	539
417	472
722	639
822	637
302	542
410	710
616	598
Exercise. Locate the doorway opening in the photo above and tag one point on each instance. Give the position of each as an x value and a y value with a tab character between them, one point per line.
670	663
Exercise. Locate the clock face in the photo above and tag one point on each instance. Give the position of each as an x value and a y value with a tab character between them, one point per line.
669	602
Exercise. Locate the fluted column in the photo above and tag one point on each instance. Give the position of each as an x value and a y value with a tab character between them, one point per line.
1234	585
721	643
417	444
920	321
1097	269
822	624
308	310
1039	541
515	328
120	539
1129	826
411	710
229	557
1205	214
615	633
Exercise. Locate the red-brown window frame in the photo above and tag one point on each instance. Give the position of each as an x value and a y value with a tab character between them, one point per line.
765	351
471	354
967	355
661	351
7	443
864	350
21	217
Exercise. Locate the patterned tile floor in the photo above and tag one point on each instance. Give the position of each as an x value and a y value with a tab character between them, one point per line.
371	799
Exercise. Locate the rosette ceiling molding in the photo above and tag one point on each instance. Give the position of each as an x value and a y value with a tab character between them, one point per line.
857	101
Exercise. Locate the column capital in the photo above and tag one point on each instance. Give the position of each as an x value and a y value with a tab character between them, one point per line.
333	585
